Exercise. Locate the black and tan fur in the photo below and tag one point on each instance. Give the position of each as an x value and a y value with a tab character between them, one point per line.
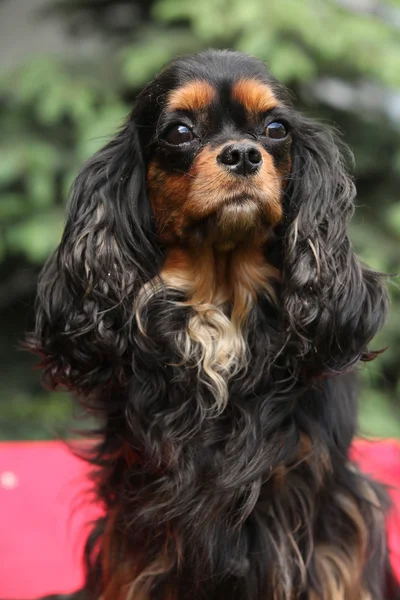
212	320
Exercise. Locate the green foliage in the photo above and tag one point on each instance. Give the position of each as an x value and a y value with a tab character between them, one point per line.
139	63
54	119
34	416
295	38
55	113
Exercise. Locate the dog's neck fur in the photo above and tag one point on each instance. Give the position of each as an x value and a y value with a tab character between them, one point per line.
228	279
220	287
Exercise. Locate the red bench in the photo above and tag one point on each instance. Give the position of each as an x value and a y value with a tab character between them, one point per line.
44	514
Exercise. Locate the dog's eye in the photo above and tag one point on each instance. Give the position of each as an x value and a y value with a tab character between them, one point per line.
276	130
178	134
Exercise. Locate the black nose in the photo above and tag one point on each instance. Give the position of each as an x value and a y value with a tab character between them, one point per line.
240	158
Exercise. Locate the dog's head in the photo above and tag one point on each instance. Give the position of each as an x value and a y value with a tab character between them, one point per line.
218	189
217	149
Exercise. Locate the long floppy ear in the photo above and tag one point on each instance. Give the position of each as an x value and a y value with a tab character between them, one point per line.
333	304
86	289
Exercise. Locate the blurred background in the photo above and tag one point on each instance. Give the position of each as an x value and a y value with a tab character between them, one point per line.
69	71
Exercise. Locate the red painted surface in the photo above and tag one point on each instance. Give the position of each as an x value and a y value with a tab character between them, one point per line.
381	460
44	513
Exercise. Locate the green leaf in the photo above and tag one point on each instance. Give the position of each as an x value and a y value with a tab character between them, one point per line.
170	10
12	206
140	62
11	165
53	103
102	126
291	63
82	102
2	248
41	155
32	78
393	218
41	188
377	416
36	237
68	180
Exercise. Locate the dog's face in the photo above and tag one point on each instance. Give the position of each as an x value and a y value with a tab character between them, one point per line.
219	159
219	151
213	173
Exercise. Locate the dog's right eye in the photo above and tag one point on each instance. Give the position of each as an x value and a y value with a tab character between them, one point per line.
178	134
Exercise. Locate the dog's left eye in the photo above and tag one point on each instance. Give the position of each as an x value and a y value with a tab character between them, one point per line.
178	134
276	130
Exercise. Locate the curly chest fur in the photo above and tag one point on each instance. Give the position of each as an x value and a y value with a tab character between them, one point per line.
218	291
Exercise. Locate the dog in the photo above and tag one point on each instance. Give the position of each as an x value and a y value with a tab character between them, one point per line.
206	304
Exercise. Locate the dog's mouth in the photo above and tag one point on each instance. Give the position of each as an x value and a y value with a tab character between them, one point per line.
244	209
248	199
253	203
236	218
241	212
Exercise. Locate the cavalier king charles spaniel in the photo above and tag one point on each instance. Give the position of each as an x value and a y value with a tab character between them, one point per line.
206	303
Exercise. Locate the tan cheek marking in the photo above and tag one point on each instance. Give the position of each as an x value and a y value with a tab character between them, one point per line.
255	96
167	193
193	96
270	181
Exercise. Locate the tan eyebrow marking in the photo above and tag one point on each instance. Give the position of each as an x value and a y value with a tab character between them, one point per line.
255	96
192	96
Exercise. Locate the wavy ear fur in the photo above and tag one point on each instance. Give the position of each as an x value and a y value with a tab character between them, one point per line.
333	304
86	290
